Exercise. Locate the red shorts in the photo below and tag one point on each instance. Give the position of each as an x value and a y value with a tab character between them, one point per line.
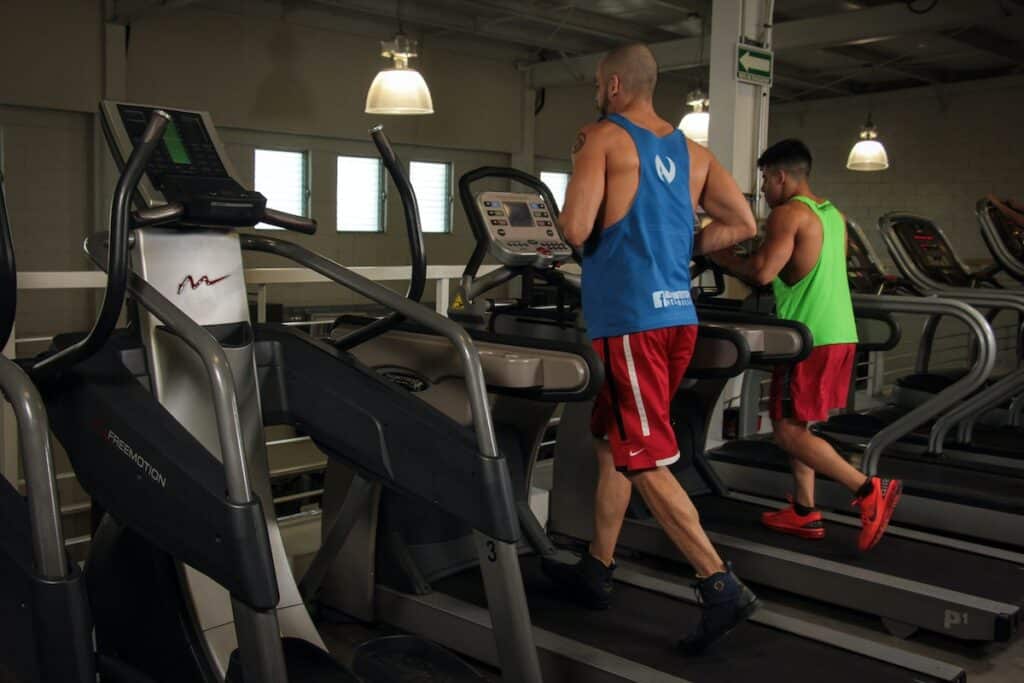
817	384
642	373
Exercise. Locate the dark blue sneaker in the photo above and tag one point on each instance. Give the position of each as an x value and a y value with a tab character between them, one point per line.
588	581
725	603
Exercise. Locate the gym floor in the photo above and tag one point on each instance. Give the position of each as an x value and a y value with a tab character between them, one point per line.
994	663
1003	663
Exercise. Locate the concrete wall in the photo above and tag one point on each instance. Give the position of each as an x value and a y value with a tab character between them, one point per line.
282	81
947	147
567	109
294	81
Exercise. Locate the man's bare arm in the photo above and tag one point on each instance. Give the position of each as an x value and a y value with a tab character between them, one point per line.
731	218
764	265
1009	208
585	192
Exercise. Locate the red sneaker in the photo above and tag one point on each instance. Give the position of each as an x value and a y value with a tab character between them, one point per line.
876	510
787	521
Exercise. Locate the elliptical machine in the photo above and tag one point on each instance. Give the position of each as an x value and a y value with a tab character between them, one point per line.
44	614
190	523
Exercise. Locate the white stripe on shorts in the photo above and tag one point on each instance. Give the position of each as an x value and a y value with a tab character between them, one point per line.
665	462
644	426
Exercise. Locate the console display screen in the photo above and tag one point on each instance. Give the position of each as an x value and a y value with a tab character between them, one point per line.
174	144
519	214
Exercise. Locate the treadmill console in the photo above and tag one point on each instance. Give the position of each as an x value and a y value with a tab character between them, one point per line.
1010	233
521	228
190	167
931	252
863	271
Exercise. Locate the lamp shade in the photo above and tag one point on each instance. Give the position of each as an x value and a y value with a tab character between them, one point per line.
399	91
695	126
868	155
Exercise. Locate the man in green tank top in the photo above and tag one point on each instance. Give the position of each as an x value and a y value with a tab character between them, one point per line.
803	257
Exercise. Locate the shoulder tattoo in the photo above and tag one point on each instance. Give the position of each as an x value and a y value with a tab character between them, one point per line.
581	139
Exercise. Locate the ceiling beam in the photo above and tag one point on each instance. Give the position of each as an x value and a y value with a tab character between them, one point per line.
702	7
858	27
127	11
987	40
454	22
571	18
873	58
810	79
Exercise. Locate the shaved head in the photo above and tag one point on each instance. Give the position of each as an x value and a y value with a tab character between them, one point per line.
636	68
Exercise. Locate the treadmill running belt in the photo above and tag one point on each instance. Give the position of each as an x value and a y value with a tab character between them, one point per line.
927	476
643	626
985	577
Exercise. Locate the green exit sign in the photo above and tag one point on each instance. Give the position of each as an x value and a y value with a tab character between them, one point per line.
753	64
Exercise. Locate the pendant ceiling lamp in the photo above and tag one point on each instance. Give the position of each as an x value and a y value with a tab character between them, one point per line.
868	154
695	124
399	90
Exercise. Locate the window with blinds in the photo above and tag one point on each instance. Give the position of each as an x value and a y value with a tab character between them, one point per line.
557	182
360	194
432	182
282	178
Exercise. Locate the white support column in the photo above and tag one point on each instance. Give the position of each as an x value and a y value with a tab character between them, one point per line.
525	158
442	295
739	111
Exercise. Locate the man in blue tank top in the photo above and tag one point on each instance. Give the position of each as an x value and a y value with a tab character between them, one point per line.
630	204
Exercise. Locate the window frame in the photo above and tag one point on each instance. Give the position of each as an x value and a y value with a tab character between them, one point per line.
450	212
307	183
382	199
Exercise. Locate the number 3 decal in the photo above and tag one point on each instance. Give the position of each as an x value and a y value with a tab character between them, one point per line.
492	554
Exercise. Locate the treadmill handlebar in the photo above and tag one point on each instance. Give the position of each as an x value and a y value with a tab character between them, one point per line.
289	221
947	399
469	358
117	252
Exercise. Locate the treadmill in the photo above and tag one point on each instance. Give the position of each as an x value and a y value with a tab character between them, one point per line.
414	560
907	595
972	496
970	442
1004	238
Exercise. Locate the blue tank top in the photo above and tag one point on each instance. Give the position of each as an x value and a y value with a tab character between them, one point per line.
636	272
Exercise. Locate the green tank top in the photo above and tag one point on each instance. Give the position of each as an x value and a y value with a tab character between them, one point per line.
821	299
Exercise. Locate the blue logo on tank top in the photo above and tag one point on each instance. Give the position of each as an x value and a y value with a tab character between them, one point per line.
636	272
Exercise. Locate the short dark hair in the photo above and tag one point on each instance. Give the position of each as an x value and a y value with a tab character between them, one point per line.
636	66
790	155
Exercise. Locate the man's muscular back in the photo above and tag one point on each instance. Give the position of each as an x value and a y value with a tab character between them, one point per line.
606	175
808	237
622	165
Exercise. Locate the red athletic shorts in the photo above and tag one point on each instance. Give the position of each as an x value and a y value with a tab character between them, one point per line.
817	384
642	372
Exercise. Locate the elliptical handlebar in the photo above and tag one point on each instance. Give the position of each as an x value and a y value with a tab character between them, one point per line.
413	227
161	214
414	230
8	273
289	221
117	252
